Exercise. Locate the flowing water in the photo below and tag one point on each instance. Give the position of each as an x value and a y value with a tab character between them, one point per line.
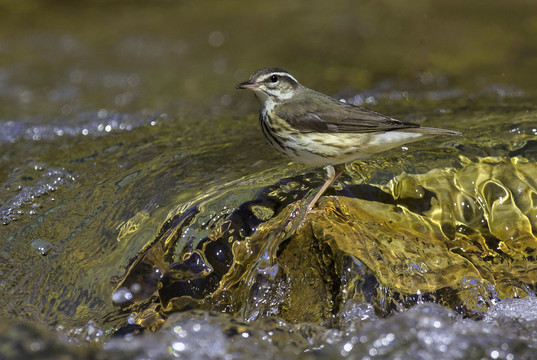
145	216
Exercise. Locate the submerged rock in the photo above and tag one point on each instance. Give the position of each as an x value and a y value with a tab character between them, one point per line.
462	238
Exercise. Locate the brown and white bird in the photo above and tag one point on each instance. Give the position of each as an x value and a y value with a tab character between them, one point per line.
315	129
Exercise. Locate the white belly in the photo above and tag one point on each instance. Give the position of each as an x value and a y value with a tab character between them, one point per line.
324	149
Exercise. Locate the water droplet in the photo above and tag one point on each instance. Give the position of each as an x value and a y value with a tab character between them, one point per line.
121	295
43	246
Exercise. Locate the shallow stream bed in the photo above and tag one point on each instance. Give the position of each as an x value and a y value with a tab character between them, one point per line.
144	216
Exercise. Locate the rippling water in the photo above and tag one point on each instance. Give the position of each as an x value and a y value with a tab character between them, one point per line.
117	117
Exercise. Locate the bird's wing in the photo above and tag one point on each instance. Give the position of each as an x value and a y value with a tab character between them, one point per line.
341	118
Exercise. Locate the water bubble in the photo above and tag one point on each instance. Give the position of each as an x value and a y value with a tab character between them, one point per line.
36	346
136	288
121	296
216	38
43	246
67	109
178	346
370	100
102	113
133	80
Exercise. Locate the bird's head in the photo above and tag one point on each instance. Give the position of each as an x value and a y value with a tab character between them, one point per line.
271	84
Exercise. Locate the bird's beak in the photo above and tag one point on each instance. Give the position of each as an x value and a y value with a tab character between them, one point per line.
247	85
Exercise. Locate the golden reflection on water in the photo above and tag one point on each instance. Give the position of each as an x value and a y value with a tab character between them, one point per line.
475	238
461	237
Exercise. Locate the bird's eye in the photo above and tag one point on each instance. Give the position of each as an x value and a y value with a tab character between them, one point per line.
274	78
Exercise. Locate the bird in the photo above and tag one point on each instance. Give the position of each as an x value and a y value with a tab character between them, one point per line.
315	129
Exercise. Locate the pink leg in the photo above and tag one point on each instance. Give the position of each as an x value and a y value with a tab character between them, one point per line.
332	176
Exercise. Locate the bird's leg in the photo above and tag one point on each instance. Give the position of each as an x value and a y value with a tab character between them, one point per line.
333	174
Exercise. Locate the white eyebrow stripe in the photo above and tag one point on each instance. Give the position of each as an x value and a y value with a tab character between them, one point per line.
280	74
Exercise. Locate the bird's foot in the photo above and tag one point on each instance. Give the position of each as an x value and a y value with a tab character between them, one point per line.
301	213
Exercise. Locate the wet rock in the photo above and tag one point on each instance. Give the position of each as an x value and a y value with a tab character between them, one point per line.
461	238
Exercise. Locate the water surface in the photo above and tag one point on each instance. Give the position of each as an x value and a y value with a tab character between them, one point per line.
116	116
